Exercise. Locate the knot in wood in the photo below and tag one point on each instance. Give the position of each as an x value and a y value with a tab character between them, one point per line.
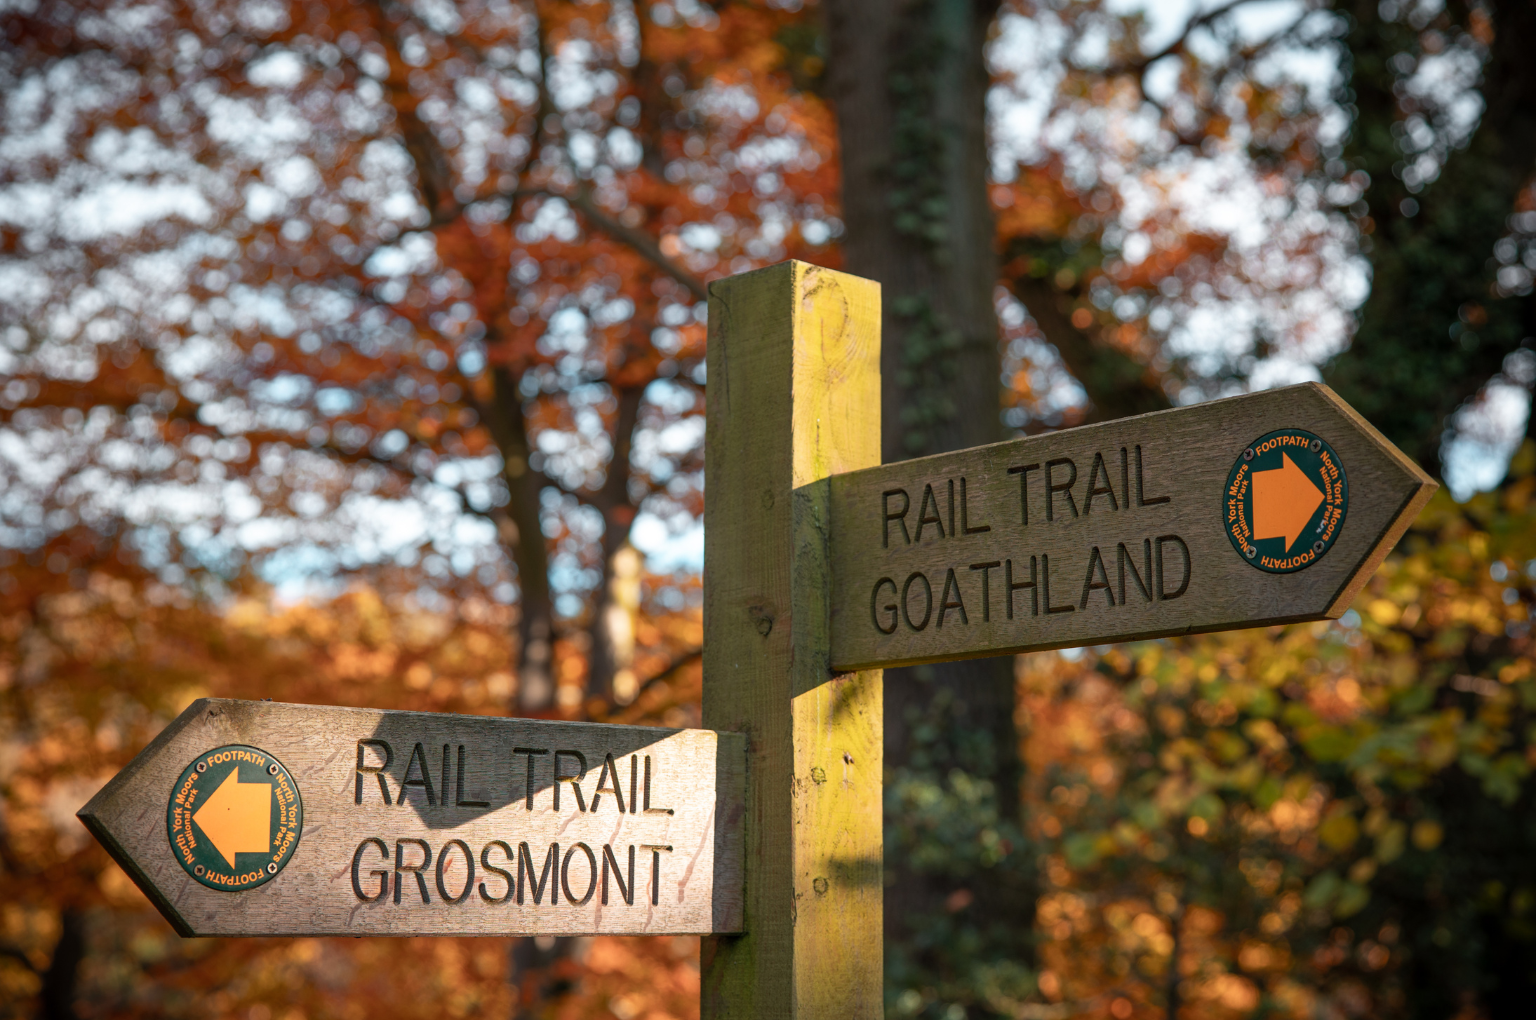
762	618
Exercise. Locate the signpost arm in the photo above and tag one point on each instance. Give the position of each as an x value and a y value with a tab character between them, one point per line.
793	398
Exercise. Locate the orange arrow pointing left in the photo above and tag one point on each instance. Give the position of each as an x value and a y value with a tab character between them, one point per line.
1284	500
237	818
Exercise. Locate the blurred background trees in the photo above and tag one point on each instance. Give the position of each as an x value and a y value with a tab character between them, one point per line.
352	353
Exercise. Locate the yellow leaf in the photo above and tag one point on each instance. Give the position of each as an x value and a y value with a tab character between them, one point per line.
1339	831
1427	833
1384	612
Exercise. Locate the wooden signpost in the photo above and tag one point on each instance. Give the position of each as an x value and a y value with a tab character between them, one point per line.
257	818
1135	528
821	568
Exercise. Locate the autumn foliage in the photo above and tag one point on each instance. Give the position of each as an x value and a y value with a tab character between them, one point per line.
352	353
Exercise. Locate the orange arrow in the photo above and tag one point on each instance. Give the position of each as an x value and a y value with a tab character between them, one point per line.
1284	500
237	818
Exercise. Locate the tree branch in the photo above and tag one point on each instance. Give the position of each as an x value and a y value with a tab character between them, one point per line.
434	172
1117	384
670	670
1179	41
643	244
9	953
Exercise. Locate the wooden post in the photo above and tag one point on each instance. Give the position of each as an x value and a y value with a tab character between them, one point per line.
793	398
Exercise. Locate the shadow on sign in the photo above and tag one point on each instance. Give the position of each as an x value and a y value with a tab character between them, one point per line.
454	769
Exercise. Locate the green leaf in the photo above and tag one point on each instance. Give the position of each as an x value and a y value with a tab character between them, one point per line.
1351	900
1081	849
1207	806
1322	890
1267	792
1328	743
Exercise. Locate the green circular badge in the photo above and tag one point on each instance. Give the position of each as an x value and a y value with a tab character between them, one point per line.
234	818
1285	500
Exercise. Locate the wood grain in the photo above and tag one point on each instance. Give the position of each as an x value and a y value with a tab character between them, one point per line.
698	774
1185	454
793	398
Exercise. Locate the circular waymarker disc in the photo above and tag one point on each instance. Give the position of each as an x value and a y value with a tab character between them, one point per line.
234	817
1285	500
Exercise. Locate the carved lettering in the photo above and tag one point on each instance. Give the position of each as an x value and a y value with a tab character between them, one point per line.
634	773
1095	489
458	797
1023	471
1162	588
648	809
986	591
656	850
609	768
414	869
506	876
965	512
1045	569
565	875
1123	560
381	874
442	865
516	871
1032	584
625	891
1052	487
418	761
1125	479
924	517
1101	583
364	769
875	609
525	870
906	601
900	517
951	584
575	781
528	791
1141	486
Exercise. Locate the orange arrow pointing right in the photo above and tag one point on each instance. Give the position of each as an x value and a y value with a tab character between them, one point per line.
237	818
1284	500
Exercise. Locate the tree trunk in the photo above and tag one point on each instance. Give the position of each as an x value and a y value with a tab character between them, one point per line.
909	82
1434	329
541	969
1171	985
612	648
611	672
523	533
58	992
